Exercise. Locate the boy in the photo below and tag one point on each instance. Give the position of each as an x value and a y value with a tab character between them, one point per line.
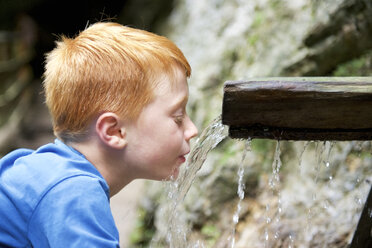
118	98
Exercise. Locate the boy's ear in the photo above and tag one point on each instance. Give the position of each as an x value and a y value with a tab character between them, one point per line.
111	131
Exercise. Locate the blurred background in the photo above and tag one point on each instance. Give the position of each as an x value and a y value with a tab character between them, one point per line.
223	40
28	29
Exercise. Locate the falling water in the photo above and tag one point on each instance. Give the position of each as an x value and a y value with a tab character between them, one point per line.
307	143
328	167
241	187
358	200
178	231
358	147
209	139
274	184
319	151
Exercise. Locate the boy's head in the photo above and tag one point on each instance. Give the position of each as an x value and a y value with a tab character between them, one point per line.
107	67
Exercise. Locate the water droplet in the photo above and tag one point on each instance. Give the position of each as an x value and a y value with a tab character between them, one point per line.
236	219
271	183
326	204
358	201
277	219
314	196
290	245
268	220
327	164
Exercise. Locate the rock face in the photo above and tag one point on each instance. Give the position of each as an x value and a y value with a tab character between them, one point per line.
347	35
295	192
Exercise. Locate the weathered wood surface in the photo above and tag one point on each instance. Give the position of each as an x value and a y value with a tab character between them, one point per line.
314	108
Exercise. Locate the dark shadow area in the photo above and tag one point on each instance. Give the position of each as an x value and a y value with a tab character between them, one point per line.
45	20
28	30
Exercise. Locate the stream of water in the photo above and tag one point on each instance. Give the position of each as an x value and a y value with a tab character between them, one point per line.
241	188
323	172
209	139
274	184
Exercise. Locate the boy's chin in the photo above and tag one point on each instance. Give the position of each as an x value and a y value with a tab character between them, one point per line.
170	177
174	175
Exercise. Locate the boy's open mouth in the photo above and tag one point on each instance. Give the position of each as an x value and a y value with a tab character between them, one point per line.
182	159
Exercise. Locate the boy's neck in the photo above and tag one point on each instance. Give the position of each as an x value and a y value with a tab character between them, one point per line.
107	162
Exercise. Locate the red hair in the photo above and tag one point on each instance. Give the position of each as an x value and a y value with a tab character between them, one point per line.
107	67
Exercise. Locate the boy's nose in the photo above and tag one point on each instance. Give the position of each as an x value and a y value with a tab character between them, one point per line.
191	131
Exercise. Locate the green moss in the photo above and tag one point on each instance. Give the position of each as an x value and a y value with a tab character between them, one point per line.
361	66
143	231
228	151
258	19
230	57
261	145
211	234
264	149
253	39
275	4
210	231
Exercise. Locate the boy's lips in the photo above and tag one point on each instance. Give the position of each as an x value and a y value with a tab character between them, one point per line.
182	159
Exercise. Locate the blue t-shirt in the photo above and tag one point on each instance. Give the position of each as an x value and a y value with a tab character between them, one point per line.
54	197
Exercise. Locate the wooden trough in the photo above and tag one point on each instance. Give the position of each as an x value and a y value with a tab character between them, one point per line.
317	108
299	108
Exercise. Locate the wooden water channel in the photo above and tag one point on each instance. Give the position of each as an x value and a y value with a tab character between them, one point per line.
304	108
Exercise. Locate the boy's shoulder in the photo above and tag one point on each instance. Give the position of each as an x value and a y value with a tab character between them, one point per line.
43	179
54	161
32	173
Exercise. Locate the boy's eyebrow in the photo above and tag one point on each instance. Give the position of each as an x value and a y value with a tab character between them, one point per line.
181	102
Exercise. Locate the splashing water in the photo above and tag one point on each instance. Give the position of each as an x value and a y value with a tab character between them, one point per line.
209	139
241	187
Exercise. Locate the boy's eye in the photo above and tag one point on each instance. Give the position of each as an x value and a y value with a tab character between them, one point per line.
179	119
